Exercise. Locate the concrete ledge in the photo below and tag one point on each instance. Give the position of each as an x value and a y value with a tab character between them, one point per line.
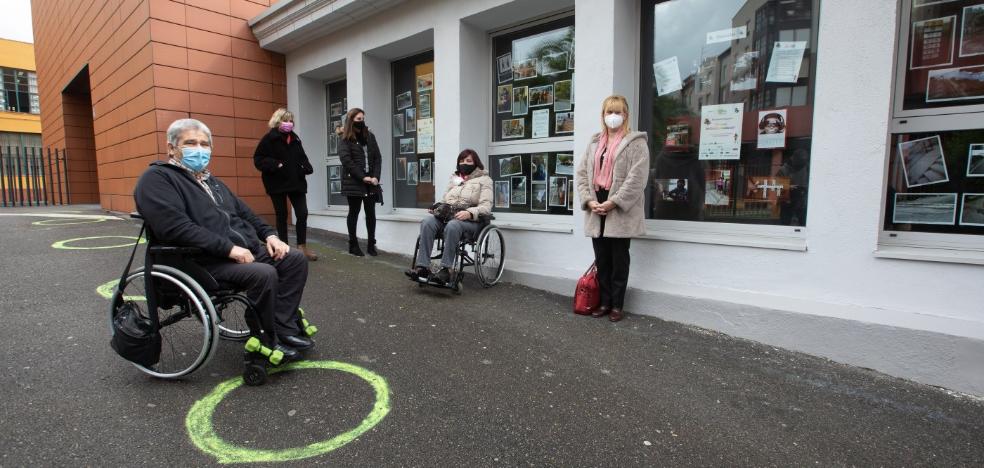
932	358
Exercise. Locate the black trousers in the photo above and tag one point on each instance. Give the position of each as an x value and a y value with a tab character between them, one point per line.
298	200
274	286
612	261
355	205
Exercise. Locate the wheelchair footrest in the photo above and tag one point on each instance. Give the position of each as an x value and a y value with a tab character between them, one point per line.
306	327
274	356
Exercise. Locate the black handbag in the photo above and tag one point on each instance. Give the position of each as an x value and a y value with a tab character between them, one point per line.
444	212
136	338
375	194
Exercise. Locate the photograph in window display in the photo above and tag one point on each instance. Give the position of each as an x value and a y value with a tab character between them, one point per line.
972	31
558	191
518	194
425	170
538	196
925	208
412	175
505	70
923	162
510	165
504	99
538	167
411	120
972	213
520	100
502	191
975	160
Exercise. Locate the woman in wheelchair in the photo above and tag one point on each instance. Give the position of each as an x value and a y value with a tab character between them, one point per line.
466	204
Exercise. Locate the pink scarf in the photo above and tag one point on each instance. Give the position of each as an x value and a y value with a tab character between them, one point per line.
603	172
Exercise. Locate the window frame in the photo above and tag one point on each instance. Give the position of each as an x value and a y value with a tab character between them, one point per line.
767	236
563	144
32	97
941	247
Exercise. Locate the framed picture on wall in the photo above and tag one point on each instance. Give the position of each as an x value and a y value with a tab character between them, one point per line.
404	100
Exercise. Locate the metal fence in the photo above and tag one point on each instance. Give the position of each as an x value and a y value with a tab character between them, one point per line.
33	176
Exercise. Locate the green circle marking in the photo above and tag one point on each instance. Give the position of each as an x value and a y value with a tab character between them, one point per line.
67	221
107	289
203	435
64	244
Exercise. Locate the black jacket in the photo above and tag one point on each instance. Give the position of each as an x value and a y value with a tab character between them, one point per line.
283	165
353	160
179	211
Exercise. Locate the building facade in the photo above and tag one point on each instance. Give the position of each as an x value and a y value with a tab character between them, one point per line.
114	74
20	119
813	174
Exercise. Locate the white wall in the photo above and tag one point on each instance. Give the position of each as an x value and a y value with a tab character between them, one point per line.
739	290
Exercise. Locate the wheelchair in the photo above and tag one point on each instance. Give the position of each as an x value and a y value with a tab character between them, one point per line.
486	251
194	313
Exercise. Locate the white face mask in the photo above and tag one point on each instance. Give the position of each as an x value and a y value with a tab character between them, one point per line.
614	121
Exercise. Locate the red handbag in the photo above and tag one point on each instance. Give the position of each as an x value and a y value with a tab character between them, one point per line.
586	295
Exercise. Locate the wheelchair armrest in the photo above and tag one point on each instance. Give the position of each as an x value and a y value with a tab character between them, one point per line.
174	250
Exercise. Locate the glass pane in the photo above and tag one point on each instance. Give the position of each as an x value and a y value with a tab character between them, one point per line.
731	118
413	121
936	183
533	84
945	60
533	183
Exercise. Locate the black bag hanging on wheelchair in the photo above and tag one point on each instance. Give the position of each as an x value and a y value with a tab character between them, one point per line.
136	338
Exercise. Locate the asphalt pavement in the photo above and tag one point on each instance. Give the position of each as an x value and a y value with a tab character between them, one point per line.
505	376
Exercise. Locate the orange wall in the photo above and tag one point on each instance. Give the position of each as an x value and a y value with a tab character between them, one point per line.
151	62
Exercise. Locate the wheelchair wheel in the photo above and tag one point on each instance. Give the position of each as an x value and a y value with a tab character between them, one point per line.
232	312
254	375
490	256
187	320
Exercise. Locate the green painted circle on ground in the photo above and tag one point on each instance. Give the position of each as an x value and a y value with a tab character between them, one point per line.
107	289
64	243
203	435
67	221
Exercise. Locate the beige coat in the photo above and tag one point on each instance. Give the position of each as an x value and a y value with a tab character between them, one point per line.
629	177
475	193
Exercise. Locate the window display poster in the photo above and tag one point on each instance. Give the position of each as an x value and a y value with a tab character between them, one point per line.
425	136
541	123
787	58
505	68
972	31
667	73
720	131
726	35
932	43
772	129
529	51
923	162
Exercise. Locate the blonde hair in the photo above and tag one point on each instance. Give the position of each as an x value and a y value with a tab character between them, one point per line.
280	115
612	102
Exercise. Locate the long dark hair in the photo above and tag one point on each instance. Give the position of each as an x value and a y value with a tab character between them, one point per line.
469	152
348	131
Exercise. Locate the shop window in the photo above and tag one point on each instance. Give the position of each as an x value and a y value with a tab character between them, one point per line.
19	90
935	177
413	131
336	106
727	100
533	106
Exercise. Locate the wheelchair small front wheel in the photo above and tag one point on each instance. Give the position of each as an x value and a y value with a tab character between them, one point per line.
254	375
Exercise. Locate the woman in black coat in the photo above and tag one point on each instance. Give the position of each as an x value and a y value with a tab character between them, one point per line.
361	161
281	159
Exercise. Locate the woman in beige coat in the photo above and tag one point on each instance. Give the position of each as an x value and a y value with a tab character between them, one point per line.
611	179
470	195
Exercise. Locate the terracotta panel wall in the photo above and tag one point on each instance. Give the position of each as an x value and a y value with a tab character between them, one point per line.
151	62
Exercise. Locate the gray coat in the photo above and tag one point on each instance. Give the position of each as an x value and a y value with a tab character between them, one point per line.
629	177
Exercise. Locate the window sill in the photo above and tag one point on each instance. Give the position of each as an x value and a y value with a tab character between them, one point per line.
761	237
897	252
329	212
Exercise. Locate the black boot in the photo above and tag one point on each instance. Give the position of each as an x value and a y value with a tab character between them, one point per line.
354	249
371	248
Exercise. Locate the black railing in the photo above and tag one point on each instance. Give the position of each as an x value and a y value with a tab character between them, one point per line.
33	176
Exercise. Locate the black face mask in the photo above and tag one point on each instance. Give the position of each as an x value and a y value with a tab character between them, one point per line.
359	125
466	169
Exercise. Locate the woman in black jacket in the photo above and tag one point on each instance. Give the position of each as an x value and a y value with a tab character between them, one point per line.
359	154
281	159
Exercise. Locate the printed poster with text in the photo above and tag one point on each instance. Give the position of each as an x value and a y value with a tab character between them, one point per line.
720	131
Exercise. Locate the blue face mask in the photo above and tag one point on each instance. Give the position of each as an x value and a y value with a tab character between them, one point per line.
195	158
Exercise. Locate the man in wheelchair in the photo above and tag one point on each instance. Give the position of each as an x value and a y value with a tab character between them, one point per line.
184	205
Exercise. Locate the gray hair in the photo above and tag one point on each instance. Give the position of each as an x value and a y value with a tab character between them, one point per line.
182	125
